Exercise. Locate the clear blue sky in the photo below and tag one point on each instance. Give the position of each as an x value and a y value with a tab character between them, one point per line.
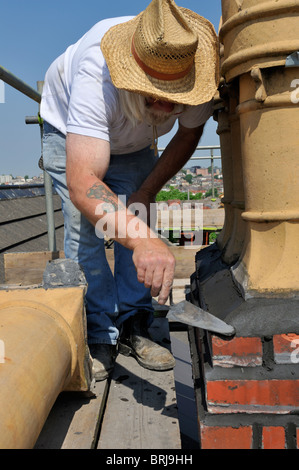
32	34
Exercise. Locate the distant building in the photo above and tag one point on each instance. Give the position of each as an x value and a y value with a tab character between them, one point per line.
5	179
202	171
19	180
194	169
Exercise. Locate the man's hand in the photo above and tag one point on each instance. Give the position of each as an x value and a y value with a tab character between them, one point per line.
155	266
153	260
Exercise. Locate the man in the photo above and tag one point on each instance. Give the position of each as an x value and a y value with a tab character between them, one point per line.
105	102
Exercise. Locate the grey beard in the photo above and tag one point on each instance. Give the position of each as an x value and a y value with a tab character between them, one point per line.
156	117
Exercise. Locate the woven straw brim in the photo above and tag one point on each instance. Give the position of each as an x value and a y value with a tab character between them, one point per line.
199	85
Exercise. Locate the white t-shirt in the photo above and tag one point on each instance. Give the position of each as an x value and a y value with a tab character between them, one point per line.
79	97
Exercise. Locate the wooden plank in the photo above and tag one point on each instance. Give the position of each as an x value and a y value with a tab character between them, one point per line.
74	420
27	268
141	410
141	406
190	219
185	260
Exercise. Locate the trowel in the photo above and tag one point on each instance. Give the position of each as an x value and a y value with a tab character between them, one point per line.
186	312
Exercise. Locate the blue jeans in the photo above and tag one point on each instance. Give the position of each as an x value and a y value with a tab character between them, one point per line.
111	298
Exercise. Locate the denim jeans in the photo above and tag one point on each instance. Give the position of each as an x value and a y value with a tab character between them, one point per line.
110	298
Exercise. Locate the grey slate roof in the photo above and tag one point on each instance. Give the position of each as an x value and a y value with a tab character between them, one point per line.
23	225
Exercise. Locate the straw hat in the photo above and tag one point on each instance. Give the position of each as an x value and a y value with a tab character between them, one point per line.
167	52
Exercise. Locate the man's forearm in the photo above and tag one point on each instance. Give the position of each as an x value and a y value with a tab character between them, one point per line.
153	261
177	153
109	214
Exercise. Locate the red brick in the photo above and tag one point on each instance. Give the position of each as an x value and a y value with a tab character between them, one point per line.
253	396
243	352
273	437
224	437
286	348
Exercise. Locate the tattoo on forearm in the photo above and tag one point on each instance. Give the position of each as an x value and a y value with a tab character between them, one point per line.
110	201
99	191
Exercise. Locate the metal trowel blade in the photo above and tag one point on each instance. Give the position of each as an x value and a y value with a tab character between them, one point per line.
186	312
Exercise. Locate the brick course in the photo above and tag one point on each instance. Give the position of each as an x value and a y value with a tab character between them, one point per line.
253	396
243	352
217	437
273	437
286	348
244	380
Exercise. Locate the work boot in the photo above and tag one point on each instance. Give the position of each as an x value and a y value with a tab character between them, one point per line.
103	357
135	341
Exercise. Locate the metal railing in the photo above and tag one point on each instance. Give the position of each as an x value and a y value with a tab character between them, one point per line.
19	85
35	95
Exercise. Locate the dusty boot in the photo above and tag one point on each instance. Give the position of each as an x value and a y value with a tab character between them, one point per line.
103	357
136	341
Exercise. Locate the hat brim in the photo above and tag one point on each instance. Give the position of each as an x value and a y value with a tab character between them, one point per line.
198	86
